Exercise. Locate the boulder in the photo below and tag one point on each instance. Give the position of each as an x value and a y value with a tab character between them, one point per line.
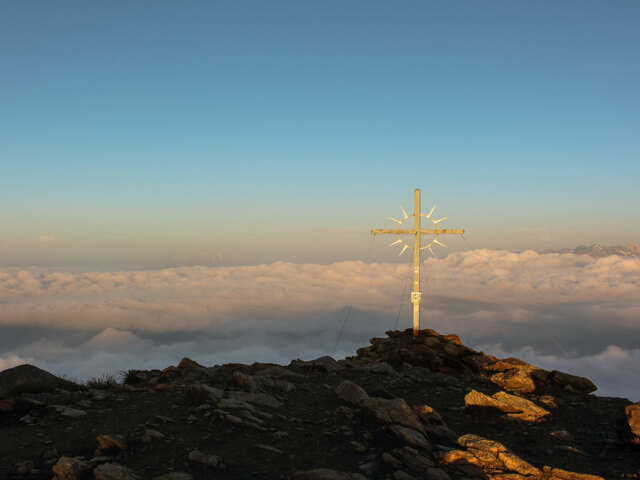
503	403
109	444
114	471
411	437
351	393
206	460
326	474
256	398
326	363
392	411
175	476
491	456
633	422
72	468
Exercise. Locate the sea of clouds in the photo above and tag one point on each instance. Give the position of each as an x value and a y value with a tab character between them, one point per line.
558	311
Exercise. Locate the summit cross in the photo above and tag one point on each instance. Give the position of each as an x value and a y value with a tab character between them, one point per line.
416	231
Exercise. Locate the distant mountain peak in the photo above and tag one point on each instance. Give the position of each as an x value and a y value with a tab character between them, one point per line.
597	251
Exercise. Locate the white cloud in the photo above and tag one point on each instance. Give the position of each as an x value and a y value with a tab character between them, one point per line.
279	311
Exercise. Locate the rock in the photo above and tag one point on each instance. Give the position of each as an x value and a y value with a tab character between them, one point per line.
268	448
99	395
515	380
559	474
414	459
25	468
464	462
411	437
572	383
391	460
351	393
490	455
114	471
326	474
441	433
384	367
278	372
255	398
326	363
504	403
436	474
392	411
447	354
6	405
400	475
245	381
207	460
175	476
68	412
109	443
150	435
633	422
514	463
358	446
234	403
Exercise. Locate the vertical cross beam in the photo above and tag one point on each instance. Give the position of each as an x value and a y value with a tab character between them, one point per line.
416	232
415	295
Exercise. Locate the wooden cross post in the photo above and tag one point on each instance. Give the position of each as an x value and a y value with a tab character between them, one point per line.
416	231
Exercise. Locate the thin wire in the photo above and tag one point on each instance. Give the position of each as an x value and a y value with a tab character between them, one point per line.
402	298
373	239
539	323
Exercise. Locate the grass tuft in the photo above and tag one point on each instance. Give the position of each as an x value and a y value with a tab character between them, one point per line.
106	381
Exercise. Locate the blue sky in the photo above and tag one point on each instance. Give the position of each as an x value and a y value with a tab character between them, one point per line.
135	132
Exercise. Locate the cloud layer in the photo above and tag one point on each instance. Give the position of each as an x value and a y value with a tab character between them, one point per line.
86	323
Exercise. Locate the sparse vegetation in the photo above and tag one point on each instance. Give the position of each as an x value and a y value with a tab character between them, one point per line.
105	381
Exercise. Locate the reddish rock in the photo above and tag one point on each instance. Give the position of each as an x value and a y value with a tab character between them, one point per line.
503	403
633	421
68	468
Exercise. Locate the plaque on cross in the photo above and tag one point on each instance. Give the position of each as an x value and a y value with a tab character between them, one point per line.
416	231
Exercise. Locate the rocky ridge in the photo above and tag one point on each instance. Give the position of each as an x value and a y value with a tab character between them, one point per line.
403	408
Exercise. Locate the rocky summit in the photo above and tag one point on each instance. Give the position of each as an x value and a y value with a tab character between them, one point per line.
424	407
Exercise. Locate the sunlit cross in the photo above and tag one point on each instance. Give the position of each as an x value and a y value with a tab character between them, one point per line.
416	231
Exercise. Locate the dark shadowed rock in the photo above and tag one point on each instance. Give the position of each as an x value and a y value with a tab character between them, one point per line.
326	474
175	476
392	411
447	354
114	471
351	393
326	363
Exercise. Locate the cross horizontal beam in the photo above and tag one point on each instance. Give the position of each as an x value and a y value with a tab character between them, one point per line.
409	231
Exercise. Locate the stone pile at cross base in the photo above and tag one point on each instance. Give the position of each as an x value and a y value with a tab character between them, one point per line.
406	407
